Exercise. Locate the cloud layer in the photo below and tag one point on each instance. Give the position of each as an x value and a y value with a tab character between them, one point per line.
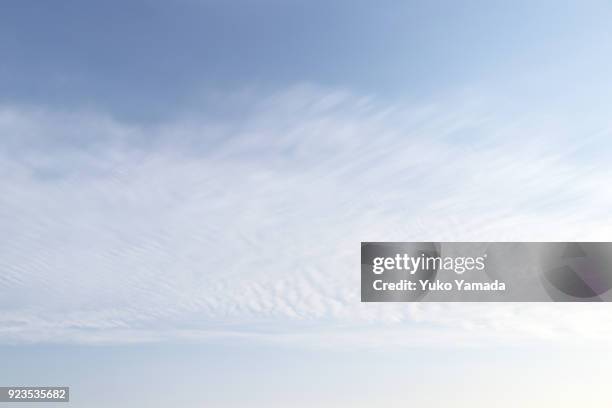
248	226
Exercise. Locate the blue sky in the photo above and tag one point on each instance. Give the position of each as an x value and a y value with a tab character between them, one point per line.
149	58
183	187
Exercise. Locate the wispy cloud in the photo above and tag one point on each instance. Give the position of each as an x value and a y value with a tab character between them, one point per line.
249	227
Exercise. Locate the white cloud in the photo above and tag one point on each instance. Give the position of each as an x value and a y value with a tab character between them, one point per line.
249	227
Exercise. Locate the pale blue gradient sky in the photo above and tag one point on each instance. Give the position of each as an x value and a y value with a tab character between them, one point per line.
193	376
183	187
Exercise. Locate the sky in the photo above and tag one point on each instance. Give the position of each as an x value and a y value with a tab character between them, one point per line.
184	186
